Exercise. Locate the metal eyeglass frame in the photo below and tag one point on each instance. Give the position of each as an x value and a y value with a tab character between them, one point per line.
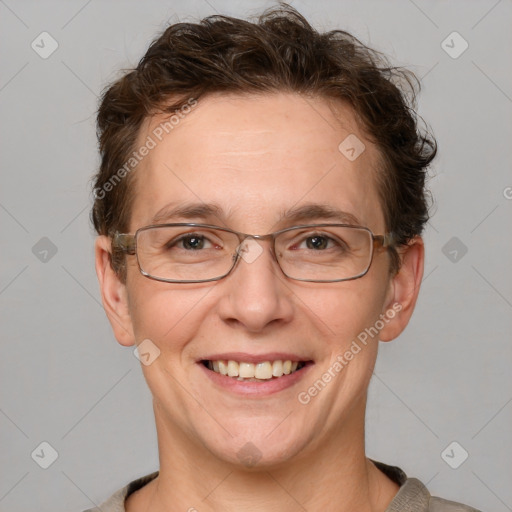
127	243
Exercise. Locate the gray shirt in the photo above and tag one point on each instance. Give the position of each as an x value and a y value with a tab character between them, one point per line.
412	496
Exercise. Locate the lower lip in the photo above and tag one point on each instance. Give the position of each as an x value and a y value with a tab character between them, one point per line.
263	388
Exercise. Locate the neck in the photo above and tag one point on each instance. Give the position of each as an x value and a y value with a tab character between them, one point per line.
192	479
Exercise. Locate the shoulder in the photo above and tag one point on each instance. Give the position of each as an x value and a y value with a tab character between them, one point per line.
413	496
116	502
441	505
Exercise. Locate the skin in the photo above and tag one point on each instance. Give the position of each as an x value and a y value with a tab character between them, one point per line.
256	157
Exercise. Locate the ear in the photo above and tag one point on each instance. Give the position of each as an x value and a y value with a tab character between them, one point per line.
403	289
113	293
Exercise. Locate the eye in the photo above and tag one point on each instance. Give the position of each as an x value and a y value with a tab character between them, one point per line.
193	242
190	242
317	242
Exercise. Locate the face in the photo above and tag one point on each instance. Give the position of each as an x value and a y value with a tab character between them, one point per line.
260	164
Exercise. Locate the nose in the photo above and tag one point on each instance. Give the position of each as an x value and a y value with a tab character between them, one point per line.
255	294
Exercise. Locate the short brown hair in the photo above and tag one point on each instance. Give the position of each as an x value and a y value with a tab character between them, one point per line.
280	52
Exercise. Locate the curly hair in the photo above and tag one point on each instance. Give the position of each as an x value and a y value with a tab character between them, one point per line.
279	52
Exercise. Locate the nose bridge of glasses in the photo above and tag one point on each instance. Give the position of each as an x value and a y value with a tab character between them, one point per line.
251	247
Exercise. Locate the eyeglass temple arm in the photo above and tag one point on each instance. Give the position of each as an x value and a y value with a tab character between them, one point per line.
387	240
124	242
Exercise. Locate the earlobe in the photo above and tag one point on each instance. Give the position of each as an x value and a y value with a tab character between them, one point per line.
404	288
113	293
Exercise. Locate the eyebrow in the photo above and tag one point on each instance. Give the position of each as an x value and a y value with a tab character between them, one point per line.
186	211
304	213
319	211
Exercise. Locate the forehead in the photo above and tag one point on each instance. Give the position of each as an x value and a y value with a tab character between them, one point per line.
255	157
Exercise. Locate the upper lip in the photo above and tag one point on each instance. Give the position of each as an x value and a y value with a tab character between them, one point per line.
254	358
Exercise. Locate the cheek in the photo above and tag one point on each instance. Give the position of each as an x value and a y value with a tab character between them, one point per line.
342	311
164	313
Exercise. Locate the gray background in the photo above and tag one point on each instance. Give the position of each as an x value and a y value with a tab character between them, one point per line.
64	378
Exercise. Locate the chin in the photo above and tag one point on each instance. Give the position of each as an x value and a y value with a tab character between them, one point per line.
255	448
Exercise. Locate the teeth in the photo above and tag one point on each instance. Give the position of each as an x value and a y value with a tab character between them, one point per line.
260	371
223	367
277	368
263	370
233	369
245	370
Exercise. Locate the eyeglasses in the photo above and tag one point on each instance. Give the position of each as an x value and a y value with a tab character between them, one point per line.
197	253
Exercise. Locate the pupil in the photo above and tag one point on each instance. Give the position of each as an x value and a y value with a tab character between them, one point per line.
317	242
193	242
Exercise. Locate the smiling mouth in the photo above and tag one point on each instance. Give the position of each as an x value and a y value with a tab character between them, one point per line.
255	372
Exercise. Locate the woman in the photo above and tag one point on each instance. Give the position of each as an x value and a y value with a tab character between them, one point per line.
259	209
